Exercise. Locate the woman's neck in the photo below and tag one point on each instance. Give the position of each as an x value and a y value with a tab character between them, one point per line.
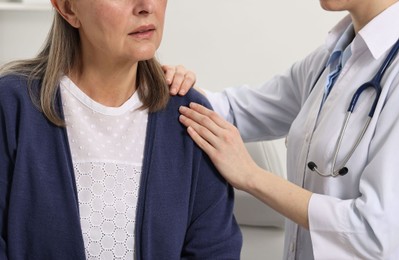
108	85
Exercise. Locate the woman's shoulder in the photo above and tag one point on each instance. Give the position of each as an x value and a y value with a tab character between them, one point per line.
11	78
191	96
12	84
14	90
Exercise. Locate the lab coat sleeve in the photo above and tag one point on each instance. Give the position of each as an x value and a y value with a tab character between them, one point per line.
365	227
267	111
220	104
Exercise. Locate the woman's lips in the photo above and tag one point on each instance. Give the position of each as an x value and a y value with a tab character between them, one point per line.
143	32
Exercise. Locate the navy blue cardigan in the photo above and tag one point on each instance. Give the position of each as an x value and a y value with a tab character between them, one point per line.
185	208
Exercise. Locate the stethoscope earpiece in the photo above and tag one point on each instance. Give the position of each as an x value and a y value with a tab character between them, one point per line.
343	171
313	167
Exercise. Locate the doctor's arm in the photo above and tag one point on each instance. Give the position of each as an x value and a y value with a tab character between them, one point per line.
222	142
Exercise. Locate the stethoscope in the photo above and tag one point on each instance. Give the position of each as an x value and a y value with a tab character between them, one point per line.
374	83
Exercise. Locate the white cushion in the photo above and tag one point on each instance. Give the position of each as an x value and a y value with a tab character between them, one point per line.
248	210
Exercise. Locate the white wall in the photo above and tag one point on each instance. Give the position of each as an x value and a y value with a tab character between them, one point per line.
230	42
22	33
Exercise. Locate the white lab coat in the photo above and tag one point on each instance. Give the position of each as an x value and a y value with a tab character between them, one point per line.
352	216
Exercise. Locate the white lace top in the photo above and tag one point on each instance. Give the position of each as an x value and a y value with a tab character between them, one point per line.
107	146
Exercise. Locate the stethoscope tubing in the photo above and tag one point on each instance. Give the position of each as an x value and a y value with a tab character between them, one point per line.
374	83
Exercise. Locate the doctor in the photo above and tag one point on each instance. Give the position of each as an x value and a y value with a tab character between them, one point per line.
341	197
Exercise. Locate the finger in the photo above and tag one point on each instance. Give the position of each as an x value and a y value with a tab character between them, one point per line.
204	132
188	82
218	120
197	119
169	73
201	142
177	79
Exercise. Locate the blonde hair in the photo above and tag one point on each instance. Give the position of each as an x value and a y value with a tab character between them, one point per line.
57	57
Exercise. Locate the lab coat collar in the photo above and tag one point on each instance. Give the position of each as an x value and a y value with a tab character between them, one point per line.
337	31
379	35
342	50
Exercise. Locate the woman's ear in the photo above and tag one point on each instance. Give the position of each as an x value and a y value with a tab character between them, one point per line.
66	10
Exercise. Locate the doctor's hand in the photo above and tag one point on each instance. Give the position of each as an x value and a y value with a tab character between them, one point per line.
222	142
179	79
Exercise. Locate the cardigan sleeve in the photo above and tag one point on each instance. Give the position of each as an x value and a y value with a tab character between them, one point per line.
213	232
4	165
6	137
4	175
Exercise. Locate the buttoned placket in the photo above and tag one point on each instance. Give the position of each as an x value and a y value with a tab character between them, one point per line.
334	64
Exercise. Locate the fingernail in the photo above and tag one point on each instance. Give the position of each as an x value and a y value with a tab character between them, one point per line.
182	118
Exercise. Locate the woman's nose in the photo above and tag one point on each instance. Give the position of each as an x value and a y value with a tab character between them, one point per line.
144	7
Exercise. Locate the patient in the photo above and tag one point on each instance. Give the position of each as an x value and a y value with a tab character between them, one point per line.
94	163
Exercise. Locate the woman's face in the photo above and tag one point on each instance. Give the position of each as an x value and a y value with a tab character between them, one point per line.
120	30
